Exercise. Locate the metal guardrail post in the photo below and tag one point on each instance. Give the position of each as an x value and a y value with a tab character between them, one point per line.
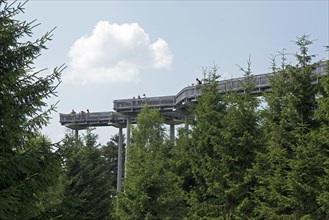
172	132
76	137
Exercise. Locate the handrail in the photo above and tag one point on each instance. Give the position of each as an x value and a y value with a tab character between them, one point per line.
160	101
85	117
167	104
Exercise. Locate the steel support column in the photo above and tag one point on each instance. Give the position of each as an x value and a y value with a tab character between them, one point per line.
119	174
76	137
186	125
172	132
127	145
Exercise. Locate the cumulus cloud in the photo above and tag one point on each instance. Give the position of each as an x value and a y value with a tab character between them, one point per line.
115	53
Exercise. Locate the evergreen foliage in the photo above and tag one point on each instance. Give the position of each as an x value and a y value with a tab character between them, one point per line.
288	171
225	140
242	140
29	163
238	161
151	190
206	150
321	141
90	179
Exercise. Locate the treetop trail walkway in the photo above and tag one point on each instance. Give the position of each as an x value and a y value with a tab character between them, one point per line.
173	108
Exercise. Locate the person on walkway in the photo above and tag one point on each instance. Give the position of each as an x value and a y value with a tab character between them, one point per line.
144	98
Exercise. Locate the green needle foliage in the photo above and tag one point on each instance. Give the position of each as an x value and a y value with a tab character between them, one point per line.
206	152
290	168
242	140
320	142
238	161
28	162
151	190
90	179
225	138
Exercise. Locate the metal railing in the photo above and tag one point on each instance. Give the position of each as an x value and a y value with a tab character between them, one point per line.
167	104
85	118
131	104
191	93
261	82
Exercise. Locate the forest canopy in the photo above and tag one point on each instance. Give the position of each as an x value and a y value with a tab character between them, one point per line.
238	158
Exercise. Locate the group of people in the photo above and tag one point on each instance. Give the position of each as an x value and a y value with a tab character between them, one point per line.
140	99
81	112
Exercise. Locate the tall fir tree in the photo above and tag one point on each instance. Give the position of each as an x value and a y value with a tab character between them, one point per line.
226	138
29	163
242	140
322	142
288	120
181	166
90	176
151	190
206	150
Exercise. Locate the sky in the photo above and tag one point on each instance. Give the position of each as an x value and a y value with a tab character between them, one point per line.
120	49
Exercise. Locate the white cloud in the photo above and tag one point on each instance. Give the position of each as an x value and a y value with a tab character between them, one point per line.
115	53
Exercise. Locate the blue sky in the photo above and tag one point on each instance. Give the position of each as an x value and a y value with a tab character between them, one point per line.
121	49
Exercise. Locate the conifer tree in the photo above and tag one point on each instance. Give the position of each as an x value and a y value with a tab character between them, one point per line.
150	188
322	141
206	150
289	119
181	166
226	138
90	180
29	163
242	139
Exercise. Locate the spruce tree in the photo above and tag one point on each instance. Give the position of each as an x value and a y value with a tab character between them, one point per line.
319	140
286	167
242	140
181	166
150	188
91	180
206	151
29	163
225	139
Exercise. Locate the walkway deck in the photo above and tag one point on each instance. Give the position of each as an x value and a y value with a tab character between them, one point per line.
169	106
78	121
192	93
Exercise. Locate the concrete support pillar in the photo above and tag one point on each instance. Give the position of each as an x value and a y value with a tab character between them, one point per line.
119	175
127	145
172	132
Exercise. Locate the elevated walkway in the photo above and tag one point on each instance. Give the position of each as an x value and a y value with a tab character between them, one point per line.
172	108
191	94
79	121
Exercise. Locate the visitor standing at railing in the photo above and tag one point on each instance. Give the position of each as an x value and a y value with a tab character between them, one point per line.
133	102
144	98
139	101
